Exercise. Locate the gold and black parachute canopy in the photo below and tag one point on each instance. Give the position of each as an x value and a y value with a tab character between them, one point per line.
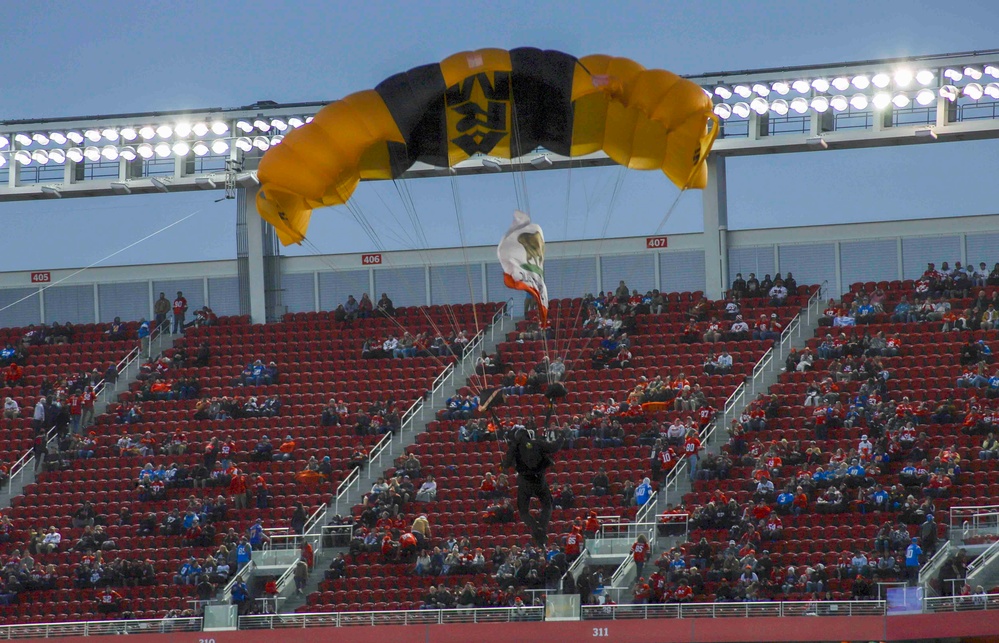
488	102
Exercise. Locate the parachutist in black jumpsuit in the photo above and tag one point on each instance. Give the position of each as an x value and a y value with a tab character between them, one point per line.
531	456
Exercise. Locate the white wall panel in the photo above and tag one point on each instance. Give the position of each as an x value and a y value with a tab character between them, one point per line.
193	289
20	314
404	286
811	263
983	246
637	270
70	304
862	261
681	270
223	295
919	251
455	284
572	277
335	287
128	300
299	294
497	290
755	259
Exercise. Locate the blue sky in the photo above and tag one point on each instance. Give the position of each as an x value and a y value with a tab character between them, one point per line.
100	57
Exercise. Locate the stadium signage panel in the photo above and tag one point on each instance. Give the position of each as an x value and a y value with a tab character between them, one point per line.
41	277
371	260
656	242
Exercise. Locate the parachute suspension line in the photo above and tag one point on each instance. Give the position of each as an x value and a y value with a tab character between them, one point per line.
669	212
100	261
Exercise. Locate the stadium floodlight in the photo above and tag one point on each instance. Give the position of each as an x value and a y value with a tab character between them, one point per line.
120	188
760	105
129	133
159	184
244	143
110	152
22	138
926	132
781	87
262	125
57	156
900	100
93	135
56	137
40	156
276	139
110	134
219	128
925	96
220	146
800	105
297	122
541	162
779	107
973	73
924	76
859	101
199	129
801	86
973	91
841	83
723	92
820	85
820	104
881	100
181	148
881	80
861	81
74	154
949	92
205	183
147	132
23	157
262	143
839	102
182	129
4	141
723	111
741	109
244	126
761	89
308	119
279	124
953	74
992	70
164	131
145	150
492	165
51	191
75	137
128	153
162	150
743	91
40	138
92	153
903	77
992	90
817	142
200	148
3	160
248	180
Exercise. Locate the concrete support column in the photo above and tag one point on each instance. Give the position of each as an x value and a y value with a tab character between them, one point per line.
715	203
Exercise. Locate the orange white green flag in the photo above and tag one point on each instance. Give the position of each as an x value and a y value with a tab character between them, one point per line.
521	253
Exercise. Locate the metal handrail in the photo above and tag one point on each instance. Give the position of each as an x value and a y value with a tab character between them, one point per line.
928	570
378	450
101	628
748	610
960	603
246	571
353	479
983	559
394	617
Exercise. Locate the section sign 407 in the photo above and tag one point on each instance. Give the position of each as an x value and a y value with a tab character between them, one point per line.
655	242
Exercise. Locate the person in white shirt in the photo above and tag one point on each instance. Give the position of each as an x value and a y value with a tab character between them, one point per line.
981	275
739	330
428	490
778	294
390	344
556	370
51	541
10	409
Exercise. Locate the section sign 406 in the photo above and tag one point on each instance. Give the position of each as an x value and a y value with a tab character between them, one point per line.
371	260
